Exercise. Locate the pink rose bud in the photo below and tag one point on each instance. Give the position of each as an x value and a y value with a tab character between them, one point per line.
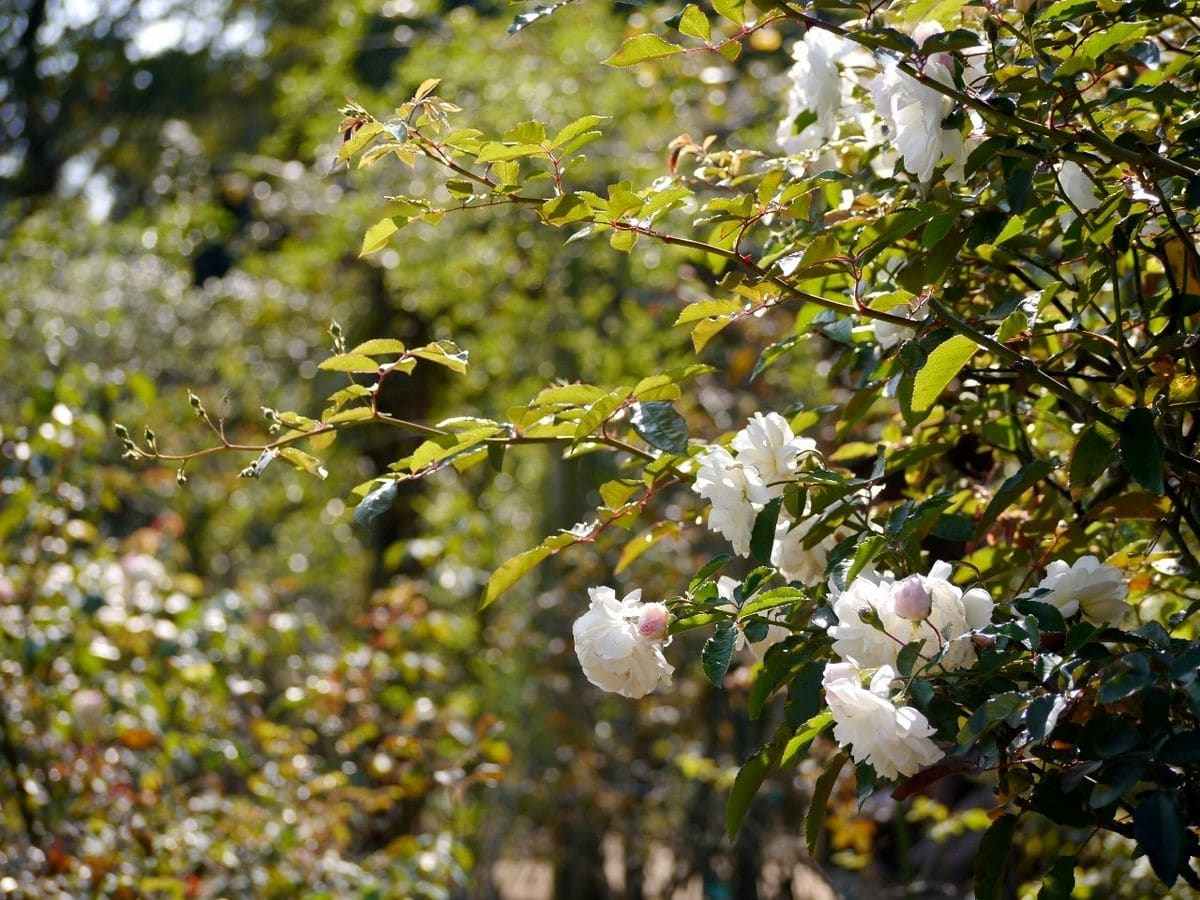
652	622
911	599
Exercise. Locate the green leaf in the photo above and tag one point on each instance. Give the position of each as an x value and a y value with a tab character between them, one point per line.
598	412
530	132
694	23
659	425
1092	454
305	462
359	140
717	653
1059	882
706	330
565	209
942	11
349	362
1159	829
380	347
624	240
643	542
733	10
377	235
769	600
444	353
1142	449
375	503
704	309
814	819
580	126
640	48
762	537
1107	38
805	736
992	859
745	786
946	360
522	564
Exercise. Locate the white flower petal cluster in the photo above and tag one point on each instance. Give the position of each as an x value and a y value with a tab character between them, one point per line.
768	445
822	85
888	335
1077	186
895	740
619	643
796	562
953	616
1089	586
738	486
913	112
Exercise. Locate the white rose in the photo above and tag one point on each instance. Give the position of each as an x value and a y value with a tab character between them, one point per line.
895	740
613	653
1099	591
953	616
794	561
736	493
768	445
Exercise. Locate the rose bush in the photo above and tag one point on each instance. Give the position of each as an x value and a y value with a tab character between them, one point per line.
981	232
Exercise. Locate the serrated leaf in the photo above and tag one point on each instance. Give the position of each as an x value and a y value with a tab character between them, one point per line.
375	503
814	818
1159	829
640	48
572	394
356	414
1142	449
380	347
717	653
762	535
706	330
661	426
733	10
769	600
992	858
704	309
1091	456
304	462
940	368
349	362
378	234
359	140
565	209
745	786
643	542
511	572
444	353
694	23
580	126
1059	882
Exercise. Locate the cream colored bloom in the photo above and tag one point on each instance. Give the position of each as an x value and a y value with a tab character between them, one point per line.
895	740
953	616
1089	586
614	654
768	446
913	112
735	492
794	561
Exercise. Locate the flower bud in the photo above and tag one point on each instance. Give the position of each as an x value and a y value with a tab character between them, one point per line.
911	599
653	621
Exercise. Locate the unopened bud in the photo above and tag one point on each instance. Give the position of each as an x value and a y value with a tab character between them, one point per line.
910	599
653	621
121	431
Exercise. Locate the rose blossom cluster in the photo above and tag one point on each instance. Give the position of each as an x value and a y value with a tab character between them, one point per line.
829	71
878	615
619	643
767	455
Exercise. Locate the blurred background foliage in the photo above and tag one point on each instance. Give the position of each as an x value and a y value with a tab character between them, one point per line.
228	688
